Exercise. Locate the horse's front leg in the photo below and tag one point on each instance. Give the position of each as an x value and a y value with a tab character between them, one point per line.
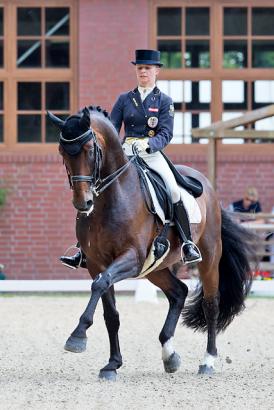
112	321
125	266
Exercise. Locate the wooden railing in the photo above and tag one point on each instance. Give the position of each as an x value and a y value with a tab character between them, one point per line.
226	129
263	225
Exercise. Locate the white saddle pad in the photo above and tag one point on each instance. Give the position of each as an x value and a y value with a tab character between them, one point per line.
190	203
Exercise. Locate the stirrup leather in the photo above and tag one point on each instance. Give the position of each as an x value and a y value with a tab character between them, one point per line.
185	261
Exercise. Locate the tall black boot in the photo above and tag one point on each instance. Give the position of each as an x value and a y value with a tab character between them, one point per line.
76	261
190	251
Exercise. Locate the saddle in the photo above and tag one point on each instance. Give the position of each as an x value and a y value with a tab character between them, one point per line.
191	184
149	178
188	183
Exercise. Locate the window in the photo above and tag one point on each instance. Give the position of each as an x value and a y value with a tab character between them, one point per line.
42	37
183	36
263	94
224	49
192	107
240	96
248	37
38	69
31	109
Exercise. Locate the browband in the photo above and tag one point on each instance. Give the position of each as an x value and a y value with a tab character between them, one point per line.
77	139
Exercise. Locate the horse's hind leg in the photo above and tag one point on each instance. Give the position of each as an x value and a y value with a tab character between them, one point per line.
176	293
112	321
209	273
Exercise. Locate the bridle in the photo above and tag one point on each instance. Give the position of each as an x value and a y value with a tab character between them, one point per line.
97	185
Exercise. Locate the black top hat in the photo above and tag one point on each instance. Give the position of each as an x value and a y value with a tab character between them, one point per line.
147	57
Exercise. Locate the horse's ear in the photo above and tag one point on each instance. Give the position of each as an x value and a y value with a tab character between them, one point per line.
55	120
85	119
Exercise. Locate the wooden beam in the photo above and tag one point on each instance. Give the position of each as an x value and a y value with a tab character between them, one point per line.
246	134
211	164
247	118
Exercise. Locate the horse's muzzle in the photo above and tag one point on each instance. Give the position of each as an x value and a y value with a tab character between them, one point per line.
83	203
84	208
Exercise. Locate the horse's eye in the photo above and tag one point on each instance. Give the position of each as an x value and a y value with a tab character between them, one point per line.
91	152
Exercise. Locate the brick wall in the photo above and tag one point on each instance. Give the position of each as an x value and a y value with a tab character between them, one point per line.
37	223
109	32
235	173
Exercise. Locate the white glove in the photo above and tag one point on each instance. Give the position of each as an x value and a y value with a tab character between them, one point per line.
140	146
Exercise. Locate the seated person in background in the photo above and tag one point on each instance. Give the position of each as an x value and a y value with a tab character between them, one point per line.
248	204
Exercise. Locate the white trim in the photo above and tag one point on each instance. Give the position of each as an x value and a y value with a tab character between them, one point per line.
167	349
209	360
259	287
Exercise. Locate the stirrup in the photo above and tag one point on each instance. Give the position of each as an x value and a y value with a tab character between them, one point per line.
199	257
65	254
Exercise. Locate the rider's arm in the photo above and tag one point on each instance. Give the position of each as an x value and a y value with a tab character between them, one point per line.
165	125
116	115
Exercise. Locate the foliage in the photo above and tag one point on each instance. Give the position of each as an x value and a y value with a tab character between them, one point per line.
3	196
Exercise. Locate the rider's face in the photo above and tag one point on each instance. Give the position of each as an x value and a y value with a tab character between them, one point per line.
146	74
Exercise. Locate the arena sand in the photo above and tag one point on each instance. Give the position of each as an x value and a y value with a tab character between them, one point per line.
36	373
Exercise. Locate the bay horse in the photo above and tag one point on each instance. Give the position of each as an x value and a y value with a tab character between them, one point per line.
115	230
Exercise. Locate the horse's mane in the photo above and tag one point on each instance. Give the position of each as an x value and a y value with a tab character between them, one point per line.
102	121
93	108
99	121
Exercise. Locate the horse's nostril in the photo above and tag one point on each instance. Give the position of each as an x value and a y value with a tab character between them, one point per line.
89	204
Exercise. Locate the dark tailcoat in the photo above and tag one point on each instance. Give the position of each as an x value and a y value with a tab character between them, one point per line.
130	110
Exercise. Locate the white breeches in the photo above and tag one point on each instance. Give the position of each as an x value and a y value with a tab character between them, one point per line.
157	162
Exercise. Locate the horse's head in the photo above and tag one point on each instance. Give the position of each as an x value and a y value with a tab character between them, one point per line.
81	154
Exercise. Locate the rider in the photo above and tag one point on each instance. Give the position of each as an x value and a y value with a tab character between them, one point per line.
148	116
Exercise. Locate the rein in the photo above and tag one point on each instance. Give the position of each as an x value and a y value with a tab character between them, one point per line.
104	183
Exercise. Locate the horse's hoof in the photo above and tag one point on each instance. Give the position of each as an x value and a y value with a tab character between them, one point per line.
204	369
173	363
76	344
110	375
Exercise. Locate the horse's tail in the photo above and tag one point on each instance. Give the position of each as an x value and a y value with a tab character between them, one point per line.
235	278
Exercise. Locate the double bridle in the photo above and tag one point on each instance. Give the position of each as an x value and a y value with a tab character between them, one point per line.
97	185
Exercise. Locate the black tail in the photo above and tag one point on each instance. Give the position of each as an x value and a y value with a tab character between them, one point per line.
235	277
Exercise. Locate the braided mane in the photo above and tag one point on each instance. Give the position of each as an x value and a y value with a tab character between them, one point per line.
100	110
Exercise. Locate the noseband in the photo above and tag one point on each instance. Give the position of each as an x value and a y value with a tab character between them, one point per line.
97	184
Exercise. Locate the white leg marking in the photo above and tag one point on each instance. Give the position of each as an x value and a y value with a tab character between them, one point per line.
167	349
209	360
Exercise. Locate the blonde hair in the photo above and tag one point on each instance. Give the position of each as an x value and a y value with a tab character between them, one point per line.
251	192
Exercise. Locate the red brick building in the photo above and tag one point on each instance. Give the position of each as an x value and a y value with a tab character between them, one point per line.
61	56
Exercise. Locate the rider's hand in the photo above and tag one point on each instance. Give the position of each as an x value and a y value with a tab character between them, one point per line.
140	146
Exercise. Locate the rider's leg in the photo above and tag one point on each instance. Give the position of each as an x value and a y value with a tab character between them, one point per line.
75	261
158	163
190	250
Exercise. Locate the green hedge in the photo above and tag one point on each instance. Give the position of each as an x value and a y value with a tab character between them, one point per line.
3	195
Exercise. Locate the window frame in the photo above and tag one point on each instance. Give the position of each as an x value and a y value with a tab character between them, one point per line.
10	75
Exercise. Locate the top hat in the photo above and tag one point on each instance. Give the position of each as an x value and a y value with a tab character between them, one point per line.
147	57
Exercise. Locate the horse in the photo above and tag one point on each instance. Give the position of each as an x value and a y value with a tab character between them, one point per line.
115	230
